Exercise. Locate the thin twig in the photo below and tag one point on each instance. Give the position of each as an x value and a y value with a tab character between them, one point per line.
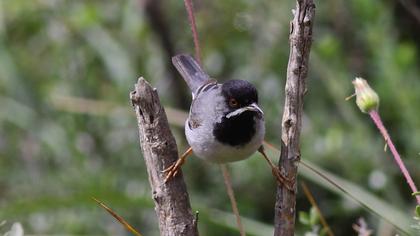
378	122
195	222
300	40
311	199
190	10
231	194
117	217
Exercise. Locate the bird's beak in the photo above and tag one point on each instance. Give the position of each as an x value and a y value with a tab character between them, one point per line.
252	107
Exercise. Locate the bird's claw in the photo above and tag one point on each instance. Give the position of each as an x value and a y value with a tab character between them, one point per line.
283	180
172	170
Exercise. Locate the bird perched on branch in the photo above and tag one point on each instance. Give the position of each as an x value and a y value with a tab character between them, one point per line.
225	123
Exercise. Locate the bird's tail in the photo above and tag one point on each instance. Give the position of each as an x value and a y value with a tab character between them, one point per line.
191	71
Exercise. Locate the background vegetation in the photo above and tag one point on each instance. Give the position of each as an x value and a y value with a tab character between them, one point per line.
67	131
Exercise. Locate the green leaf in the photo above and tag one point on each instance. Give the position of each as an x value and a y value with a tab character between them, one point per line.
418	210
304	218
313	216
405	55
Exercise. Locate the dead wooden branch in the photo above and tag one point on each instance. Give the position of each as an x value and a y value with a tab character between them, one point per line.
297	70
159	148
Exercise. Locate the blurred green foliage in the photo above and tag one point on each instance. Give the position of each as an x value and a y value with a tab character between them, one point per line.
311	221
57	150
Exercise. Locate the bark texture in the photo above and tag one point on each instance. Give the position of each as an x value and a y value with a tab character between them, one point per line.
159	149
297	70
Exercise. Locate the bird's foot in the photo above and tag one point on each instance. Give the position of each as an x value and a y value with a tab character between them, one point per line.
173	169
283	180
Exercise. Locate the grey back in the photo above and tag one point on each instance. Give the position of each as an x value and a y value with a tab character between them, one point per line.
191	71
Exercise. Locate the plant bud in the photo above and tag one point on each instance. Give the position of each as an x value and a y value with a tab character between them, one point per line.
366	99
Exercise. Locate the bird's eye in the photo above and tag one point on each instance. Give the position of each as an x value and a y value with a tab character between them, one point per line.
233	102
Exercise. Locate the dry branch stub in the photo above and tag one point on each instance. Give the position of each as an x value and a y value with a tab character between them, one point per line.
159	149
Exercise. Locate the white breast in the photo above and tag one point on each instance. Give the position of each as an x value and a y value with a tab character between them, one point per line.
206	147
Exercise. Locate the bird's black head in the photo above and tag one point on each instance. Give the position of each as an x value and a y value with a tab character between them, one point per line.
239	93
238	126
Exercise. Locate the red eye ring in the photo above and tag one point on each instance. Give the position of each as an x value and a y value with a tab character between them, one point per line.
233	102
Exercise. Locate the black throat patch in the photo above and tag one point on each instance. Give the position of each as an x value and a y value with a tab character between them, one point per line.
237	130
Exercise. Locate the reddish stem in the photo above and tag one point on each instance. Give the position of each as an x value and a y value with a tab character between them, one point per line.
191	17
378	122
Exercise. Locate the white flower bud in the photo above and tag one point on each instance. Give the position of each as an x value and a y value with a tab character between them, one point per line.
366	99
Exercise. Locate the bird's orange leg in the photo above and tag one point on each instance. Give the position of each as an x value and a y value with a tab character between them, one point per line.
281	179
173	169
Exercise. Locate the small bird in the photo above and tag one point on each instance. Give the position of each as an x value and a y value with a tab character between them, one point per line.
225	123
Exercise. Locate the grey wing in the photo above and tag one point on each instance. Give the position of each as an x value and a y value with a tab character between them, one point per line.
204	104
191	71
